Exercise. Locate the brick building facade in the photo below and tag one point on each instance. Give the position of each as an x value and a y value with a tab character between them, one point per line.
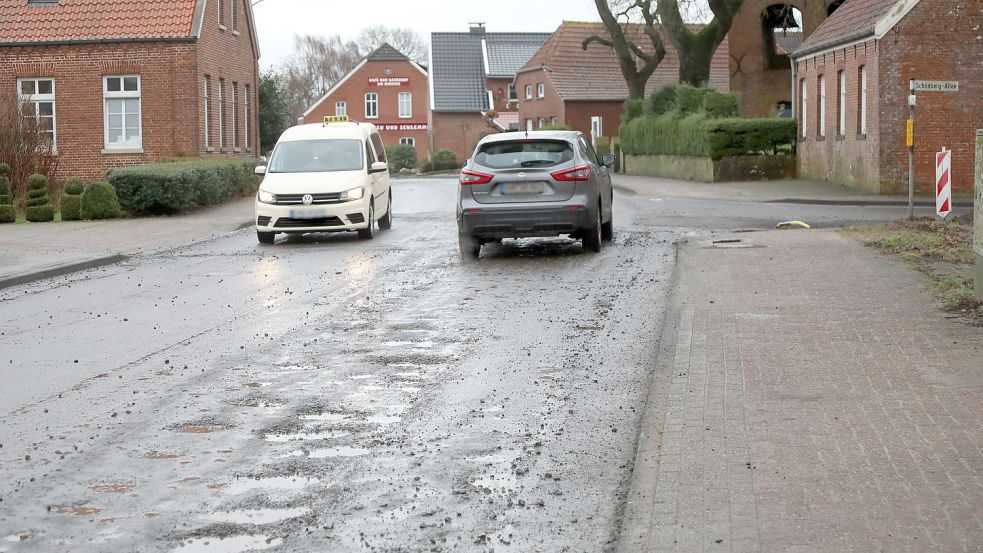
852	79
386	89
127	82
585	89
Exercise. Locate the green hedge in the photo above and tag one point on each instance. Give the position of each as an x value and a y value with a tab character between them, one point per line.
634	109
99	201
8	214
40	213
687	121
74	186
444	160
401	156
167	188
71	207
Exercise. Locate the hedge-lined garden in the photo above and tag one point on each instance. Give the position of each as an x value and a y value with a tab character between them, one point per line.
686	121
178	187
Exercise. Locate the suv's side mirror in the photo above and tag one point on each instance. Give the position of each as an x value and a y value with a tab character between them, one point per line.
608	160
379	167
260	170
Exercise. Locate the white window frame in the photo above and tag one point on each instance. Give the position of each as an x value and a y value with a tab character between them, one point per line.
804	116
235	114
245	117
405	100
235	16
221	9
408	141
341	108
38	99
841	115
863	100
372	99
528	92
540	90
128	145
822	106
207	84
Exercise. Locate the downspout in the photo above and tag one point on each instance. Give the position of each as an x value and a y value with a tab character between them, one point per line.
795	107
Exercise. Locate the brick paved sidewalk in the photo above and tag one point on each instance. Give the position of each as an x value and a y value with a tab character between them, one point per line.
809	397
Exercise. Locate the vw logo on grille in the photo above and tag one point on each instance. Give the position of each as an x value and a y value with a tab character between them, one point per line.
307	199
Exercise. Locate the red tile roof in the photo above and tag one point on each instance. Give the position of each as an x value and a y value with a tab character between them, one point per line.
854	20
594	74
83	20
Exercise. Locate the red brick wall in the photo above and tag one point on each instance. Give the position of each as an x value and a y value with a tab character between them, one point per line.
937	40
547	107
227	54
578	116
167	103
352	91
459	132
849	158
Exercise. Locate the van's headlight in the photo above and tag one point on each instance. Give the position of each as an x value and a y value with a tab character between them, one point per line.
353	194
266	197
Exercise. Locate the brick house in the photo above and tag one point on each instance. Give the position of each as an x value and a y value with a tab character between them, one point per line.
585	89
471	76
387	89
125	82
852	79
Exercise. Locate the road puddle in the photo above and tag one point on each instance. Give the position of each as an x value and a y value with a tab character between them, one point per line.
342	451
311	436
325	417
361	376
384	419
112	488
257	516
77	510
232	544
279	483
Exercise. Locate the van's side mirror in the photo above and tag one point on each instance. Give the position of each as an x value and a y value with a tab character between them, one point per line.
379	167
608	160
260	170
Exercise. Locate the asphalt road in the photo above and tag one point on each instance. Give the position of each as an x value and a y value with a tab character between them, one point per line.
331	394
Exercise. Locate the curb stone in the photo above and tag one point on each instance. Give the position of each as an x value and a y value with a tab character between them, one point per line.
61	270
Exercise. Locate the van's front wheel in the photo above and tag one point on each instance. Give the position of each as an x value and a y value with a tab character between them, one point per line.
368	233
386	222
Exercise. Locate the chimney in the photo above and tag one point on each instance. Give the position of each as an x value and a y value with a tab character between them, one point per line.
477	28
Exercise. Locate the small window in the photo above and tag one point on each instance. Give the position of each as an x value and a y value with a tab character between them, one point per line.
235	15
528	92
512	94
121	96
371	105
208	132
340	108
804	116
541	90
822	106
246	113
37	99
221	13
554	121
841	104
862	116
221	114
405	105
407	141
235	114
542	122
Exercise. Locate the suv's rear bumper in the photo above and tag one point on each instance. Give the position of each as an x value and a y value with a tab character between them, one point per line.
514	222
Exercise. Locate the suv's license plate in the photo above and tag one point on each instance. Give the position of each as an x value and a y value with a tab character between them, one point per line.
522	188
307	213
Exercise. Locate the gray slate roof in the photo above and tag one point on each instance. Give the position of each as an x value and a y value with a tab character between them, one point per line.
458	72
386	53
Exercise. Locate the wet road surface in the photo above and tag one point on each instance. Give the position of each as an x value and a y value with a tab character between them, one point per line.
331	394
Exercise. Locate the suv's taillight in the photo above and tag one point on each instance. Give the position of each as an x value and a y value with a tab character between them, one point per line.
470	177
581	173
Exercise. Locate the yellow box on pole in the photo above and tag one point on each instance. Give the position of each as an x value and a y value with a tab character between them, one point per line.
911	134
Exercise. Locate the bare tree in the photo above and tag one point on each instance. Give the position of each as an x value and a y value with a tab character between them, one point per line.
318	62
696	48
25	145
407	41
637	62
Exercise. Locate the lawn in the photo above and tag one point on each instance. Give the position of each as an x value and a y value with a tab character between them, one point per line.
941	250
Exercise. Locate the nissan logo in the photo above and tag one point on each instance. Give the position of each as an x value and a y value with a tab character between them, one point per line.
522	175
307	199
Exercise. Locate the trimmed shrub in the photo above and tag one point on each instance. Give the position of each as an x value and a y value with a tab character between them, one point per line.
167	188
734	136
445	160
663	100
6	198
402	156
71	207
4	169
99	201
718	105
633	110
74	186
40	213
39	208
689	99
8	214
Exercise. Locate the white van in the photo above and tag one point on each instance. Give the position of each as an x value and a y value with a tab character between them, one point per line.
325	177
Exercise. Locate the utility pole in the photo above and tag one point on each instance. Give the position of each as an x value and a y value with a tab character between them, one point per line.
911	149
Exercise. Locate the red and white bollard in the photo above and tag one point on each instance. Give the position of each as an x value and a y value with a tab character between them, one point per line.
943	183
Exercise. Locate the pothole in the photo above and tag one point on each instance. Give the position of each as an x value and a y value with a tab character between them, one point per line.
256	516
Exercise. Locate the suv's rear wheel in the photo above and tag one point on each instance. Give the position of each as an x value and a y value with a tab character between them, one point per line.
266	237
592	236
368	232
470	247
386	222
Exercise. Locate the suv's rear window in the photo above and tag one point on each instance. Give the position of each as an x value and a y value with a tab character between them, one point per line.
316	156
524	153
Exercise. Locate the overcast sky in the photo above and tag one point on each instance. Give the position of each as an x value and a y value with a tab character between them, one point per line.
278	20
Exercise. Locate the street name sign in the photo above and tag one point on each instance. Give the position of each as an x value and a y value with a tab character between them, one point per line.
936	86
943	183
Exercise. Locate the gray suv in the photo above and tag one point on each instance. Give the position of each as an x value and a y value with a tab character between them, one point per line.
541	183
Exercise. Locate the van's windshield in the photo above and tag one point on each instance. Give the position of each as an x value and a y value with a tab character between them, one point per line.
317	156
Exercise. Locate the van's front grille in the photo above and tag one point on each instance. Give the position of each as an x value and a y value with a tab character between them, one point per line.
298	199
287	222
